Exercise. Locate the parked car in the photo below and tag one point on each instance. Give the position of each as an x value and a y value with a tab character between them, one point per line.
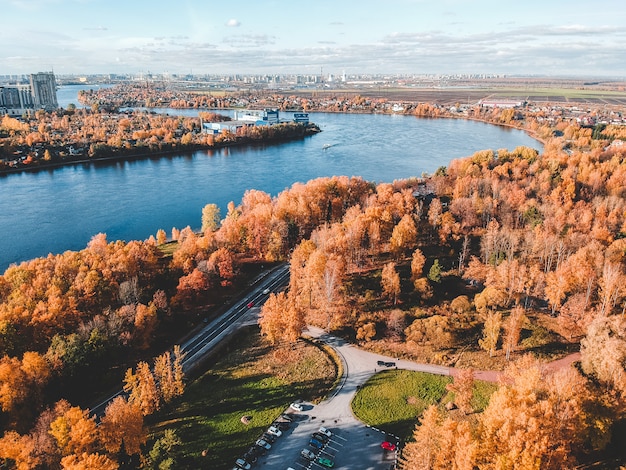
380	363
324	462
241	463
321	437
250	456
325	431
315	443
307	454
266	291
286	417
388	446
297	406
263	444
390	364
274	431
271	438
282	425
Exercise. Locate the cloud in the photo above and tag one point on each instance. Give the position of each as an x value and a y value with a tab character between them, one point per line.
233	23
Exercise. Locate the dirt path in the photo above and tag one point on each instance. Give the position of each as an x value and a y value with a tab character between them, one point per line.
550	367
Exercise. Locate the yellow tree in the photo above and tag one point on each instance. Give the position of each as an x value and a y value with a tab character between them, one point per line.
491	332
390	282
403	236
87	461
420	454
142	388
280	319
463	389
122	425
513	329
74	431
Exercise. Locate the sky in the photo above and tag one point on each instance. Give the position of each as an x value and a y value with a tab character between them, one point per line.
514	37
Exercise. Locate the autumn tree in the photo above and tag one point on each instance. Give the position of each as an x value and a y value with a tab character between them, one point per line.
512	330
417	264
74	431
280	319
142	388
390	282
462	386
19	449
533	421
169	374
87	461
603	351
122	427
491	332
403	236
421	452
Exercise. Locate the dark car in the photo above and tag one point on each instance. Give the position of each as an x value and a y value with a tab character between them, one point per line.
380	363
390	364
282	425
320	437
315	443
267	437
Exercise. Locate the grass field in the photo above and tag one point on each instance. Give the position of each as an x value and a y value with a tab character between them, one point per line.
393	400
250	379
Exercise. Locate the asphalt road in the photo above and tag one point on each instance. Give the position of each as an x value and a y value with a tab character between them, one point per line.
199	344
353	445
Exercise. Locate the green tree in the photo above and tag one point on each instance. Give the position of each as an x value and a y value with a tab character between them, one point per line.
434	274
210	217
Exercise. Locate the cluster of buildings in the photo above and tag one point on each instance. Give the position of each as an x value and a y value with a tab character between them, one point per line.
20	99
251	117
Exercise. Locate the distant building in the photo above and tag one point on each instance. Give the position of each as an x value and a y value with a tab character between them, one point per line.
501	103
16	100
44	90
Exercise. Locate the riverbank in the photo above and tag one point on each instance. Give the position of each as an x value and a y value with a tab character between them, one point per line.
294	132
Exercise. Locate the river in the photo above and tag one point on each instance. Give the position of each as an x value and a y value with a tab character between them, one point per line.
62	208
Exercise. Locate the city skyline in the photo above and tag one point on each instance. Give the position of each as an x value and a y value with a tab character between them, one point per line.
559	38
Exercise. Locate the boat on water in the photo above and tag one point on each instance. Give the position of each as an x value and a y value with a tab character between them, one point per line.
326	146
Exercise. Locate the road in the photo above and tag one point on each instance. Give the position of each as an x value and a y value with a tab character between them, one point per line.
353	445
199	345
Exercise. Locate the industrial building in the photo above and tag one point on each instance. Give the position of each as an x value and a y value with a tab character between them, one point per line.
251	117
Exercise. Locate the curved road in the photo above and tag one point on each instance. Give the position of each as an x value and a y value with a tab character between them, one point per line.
353	445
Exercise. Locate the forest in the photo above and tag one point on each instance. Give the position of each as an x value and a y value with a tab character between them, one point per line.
500	260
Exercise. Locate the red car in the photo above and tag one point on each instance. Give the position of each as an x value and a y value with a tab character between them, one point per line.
251	304
388	446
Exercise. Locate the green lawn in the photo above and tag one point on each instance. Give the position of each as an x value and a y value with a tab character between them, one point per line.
250	379
393	400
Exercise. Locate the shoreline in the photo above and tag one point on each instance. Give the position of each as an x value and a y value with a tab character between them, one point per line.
150	154
194	148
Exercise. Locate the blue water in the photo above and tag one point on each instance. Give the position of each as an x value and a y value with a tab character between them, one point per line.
61	209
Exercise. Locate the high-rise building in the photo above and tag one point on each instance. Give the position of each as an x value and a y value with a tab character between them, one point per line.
16	100
44	90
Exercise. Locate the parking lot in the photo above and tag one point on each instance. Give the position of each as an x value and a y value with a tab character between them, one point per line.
348	445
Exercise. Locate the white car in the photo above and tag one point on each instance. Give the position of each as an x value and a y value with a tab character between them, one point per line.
266	291
307	454
263	444
241	463
297	406
325	431
274	431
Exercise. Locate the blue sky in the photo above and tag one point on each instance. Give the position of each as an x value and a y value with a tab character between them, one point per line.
549	37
